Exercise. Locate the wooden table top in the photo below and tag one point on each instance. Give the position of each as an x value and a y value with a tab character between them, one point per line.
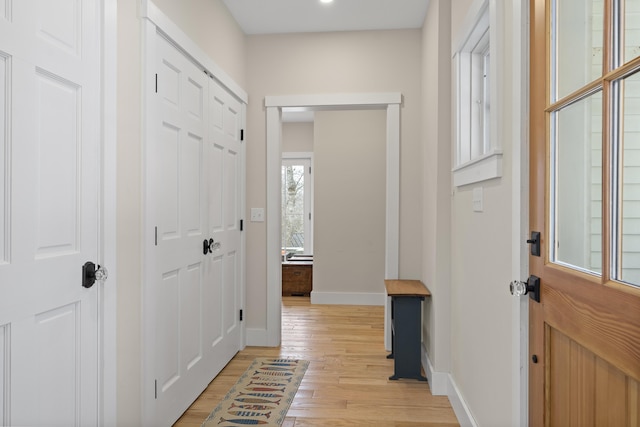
406	288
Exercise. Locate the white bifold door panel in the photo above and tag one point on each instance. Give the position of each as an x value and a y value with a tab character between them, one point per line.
224	182
196	155
49	225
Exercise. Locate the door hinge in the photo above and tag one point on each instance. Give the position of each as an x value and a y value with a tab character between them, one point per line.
156	82
309	170
241	316
241	134
156	237
155	388
309	216
241	224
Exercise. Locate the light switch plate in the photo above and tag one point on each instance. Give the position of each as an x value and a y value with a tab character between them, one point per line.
257	214
478	202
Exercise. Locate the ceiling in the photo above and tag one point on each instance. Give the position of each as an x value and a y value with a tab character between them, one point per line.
300	16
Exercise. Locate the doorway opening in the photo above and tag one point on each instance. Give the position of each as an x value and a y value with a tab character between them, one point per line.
275	105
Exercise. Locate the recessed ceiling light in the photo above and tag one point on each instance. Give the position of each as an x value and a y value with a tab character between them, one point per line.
326	1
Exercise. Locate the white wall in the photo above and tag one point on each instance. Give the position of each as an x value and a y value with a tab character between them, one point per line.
297	137
345	62
207	22
436	182
129	200
349	202
476	247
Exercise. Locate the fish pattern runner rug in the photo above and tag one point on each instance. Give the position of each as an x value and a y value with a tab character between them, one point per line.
261	396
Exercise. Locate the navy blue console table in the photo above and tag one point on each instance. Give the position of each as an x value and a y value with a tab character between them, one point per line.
406	315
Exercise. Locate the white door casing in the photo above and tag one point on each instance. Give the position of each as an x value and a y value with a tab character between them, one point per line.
274	105
193	287
50	141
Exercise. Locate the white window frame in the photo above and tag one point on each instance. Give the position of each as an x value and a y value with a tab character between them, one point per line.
306	158
477	154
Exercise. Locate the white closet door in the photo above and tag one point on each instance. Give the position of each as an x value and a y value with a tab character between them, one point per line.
179	149
224	166
196	295
49	172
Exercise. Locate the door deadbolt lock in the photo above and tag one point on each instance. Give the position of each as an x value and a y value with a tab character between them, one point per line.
534	241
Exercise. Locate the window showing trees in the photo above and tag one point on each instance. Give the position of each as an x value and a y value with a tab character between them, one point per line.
296	205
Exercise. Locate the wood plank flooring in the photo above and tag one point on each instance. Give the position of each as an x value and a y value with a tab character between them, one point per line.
346	383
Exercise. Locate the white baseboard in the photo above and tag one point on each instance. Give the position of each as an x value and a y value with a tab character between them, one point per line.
257	337
442	384
348	298
438	381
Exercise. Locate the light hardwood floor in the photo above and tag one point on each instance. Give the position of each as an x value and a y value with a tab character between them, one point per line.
346	383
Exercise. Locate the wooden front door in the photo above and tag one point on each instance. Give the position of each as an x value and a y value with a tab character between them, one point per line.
585	200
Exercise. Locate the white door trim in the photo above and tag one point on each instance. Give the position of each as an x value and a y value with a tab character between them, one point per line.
520	212
274	104
107	384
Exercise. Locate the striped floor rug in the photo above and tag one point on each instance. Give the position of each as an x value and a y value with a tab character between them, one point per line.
261	396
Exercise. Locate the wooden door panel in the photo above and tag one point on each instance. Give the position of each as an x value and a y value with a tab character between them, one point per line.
584	389
587	318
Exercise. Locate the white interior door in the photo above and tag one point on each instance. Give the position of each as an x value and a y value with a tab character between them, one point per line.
196	157
226	153
49	171
181	228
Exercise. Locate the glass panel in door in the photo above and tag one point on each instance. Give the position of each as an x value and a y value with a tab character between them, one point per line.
628	265
577	41
576	184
